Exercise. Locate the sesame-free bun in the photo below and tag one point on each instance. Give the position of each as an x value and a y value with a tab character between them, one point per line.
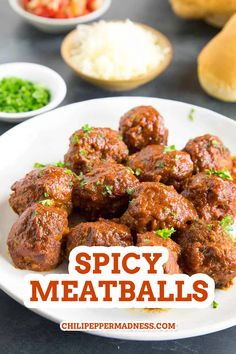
217	64
215	12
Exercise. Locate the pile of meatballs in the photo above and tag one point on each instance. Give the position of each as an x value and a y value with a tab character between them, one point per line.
130	188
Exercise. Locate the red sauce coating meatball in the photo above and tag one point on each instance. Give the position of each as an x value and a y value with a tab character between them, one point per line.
143	161
155	164
141	126
99	233
88	146
105	190
156	206
207	249
35	240
152	239
213	197
51	182
208	152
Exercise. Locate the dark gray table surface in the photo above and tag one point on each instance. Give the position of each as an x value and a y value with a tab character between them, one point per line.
21	331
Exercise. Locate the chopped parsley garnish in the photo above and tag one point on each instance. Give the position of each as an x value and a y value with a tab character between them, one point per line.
191	114
34	213
39	165
75	139
132	201
130	191
165	233
83	152
59	164
177	157
174	169
18	95
226	223
93	189
46	202
215	304
169	148
71	173
83	183
87	129
138	172
215	142
98	183
130	169
107	190
160	165
222	174
81	175
71	184
56	164
46	195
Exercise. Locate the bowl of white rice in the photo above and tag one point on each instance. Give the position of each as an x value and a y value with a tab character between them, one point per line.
117	55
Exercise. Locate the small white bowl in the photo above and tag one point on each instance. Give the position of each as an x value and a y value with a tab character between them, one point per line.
37	74
53	25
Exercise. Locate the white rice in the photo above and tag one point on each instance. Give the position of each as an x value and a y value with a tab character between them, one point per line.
116	50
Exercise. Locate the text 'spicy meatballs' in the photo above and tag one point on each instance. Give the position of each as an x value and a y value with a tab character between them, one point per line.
165	164
35	240
213	197
89	145
142	126
99	233
156	206
206	248
152	239
105	190
208	152
49	183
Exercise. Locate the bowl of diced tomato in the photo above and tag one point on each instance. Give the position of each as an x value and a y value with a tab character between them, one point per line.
59	15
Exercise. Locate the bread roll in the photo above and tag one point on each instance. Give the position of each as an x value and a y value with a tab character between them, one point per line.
217	64
215	12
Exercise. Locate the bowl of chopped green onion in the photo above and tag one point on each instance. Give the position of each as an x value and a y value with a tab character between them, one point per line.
27	90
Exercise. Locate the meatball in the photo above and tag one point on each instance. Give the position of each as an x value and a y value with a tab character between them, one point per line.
144	160
105	190
35	240
212	196
99	233
208	152
152	239
155	164
156	206
51	182
206	248
89	145
142	126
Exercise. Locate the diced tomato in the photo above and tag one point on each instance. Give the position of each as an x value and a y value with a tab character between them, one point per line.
64	8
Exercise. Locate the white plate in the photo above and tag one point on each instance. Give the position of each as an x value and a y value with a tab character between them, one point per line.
45	139
57	25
